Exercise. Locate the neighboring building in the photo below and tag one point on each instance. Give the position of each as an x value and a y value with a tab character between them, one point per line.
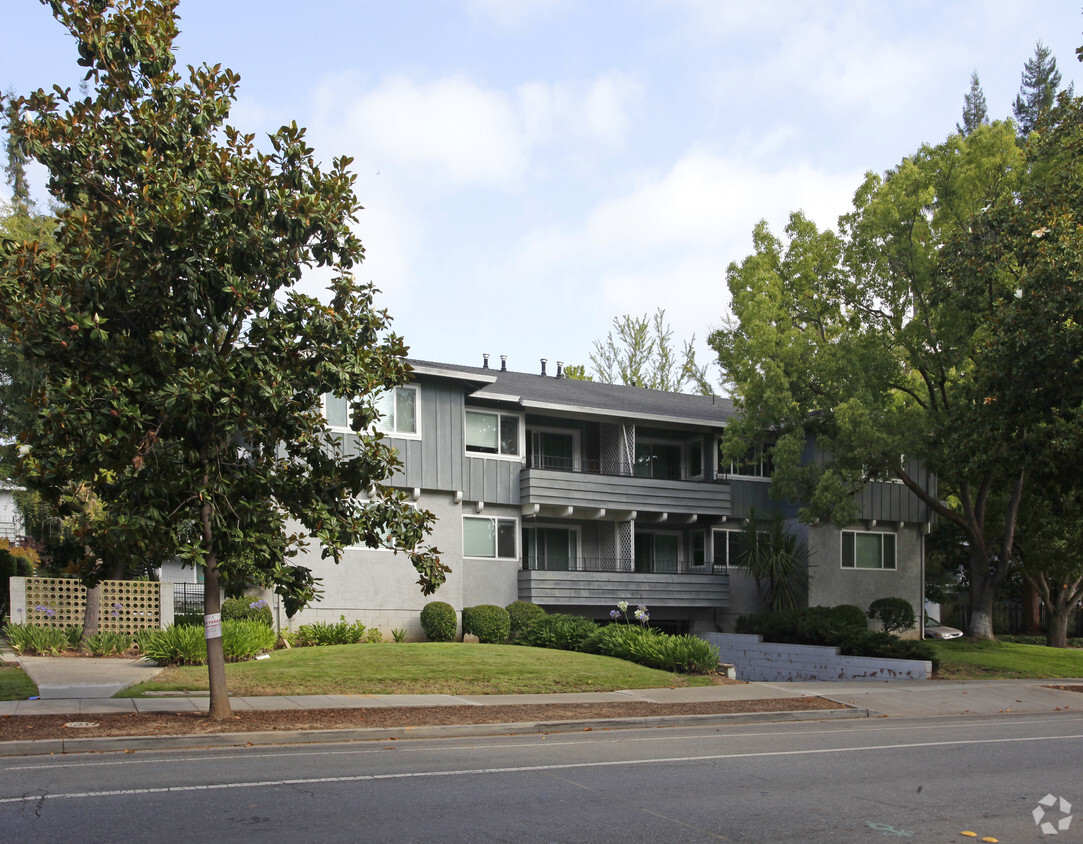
576	495
11	520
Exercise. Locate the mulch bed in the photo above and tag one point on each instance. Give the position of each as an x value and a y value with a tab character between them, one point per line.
32	727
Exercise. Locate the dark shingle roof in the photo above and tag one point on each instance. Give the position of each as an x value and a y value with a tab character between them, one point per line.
540	393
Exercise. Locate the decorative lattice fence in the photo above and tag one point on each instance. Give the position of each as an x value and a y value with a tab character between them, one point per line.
127	605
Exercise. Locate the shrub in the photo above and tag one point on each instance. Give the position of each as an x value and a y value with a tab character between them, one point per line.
322	633
894	614
644	646
491	624
849	615
187	619
247	608
106	642
30	639
809	626
439	622
187	646
557	630
14	562
887	646
520	614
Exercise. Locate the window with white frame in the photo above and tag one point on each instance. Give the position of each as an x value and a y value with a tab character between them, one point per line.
490	432
728	545
336	410
862	550
398	411
490	537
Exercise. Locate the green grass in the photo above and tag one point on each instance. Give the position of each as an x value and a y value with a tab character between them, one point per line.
15	684
422	668
961	659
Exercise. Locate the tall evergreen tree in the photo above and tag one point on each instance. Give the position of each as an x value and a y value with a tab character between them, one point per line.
15	168
974	111
1037	90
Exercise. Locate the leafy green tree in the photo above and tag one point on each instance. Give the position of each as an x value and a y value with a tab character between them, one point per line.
1051	534
975	113
857	341
577	372
639	351
182	373
1037	89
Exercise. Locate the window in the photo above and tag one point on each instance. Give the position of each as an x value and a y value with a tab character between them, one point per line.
336	410
553	449
695	459
657	552
398	411
699	548
868	550
550	548
492	538
492	433
756	463
658	460
728	546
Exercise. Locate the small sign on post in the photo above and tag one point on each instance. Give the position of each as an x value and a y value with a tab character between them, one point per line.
212	624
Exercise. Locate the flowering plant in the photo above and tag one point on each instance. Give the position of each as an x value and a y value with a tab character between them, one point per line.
641	614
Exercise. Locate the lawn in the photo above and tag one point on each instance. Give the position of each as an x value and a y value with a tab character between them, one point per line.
15	684
422	668
961	659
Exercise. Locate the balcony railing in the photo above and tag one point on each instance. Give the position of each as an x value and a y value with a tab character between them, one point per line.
619	565
619	469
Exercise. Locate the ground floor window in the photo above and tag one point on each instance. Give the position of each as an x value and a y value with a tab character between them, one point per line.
868	550
490	537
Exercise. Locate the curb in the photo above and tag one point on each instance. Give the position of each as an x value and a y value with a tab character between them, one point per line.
52	747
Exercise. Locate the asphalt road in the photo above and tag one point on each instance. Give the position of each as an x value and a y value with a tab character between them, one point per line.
853	780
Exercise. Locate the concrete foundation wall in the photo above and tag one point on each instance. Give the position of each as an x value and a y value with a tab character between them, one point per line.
756	660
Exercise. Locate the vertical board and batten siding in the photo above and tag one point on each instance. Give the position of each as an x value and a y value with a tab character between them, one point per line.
894	502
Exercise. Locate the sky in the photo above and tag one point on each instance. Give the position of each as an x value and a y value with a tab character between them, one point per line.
532	169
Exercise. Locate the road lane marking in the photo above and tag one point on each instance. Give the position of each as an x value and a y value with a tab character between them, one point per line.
519	769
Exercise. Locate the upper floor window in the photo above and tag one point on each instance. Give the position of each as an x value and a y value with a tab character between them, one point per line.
755	463
398	411
868	550
336	410
489	432
728	547
658	460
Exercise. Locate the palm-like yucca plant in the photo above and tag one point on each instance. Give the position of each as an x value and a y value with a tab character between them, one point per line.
777	561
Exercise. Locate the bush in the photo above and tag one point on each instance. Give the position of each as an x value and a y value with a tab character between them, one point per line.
247	608
14	562
520	614
321	633
894	614
187	646
491	624
809	626
187	619
888	646
106	642
644	646
557	630
29	639
439	622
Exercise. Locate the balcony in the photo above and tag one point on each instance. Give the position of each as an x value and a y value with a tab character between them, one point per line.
602	582
592	485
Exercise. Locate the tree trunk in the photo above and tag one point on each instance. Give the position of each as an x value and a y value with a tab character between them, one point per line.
1056	626
982	592
91	616
216	661
1032	617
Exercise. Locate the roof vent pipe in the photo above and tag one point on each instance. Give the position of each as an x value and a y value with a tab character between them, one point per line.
503	363
543	366
484	361
560	369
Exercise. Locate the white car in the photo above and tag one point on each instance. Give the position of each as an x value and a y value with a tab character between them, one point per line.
935	630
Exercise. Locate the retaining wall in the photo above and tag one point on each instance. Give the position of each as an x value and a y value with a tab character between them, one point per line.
757	660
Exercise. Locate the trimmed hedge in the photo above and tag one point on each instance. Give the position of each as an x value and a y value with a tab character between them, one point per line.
438	621
559	631
837	627
520	614
491	624
894	614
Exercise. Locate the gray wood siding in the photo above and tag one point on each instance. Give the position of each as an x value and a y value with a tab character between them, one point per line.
434	462
541	486
572	588
491	480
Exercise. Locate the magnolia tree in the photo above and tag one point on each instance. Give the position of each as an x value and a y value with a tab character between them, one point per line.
182	373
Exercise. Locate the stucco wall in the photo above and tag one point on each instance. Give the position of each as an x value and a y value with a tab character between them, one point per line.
831	584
